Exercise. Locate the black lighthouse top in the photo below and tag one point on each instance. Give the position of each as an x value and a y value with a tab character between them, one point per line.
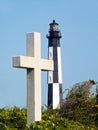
54	35
54	31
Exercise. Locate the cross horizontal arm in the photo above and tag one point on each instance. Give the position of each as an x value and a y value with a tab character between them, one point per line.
47	65
23	62
31	62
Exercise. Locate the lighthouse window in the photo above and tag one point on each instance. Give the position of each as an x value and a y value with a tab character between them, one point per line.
55	28
51	27
50	79
50	55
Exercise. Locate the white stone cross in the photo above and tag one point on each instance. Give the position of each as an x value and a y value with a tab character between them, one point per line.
34	64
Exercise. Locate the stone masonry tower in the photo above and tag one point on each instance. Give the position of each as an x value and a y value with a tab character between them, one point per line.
54	77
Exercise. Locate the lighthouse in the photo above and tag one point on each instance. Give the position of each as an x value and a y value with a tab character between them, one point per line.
54	77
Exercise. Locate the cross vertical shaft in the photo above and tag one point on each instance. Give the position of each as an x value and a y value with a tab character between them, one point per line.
33	93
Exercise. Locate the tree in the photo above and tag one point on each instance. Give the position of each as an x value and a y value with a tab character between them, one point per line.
79	103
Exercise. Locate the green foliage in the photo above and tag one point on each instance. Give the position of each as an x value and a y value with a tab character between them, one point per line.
3	126
43	125
52	120
79	111
13	117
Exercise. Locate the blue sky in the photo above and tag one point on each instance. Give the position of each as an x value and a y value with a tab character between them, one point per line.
78	22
